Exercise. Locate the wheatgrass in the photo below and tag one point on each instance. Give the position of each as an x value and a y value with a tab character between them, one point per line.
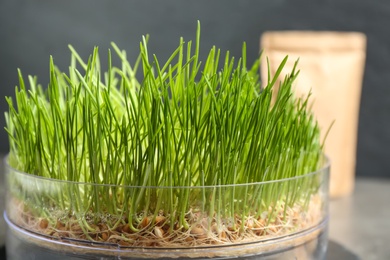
188	137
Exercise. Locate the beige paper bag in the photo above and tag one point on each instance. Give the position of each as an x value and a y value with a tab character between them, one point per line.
331	66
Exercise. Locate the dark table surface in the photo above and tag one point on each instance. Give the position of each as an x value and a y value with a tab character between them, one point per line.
361	222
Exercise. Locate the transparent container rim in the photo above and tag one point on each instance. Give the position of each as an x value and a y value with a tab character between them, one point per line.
324	167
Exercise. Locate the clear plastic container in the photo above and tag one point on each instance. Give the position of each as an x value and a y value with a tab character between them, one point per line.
53	219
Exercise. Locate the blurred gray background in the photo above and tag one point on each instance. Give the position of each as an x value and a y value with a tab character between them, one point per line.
30	31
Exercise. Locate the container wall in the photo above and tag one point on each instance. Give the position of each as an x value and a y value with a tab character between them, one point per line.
167	217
